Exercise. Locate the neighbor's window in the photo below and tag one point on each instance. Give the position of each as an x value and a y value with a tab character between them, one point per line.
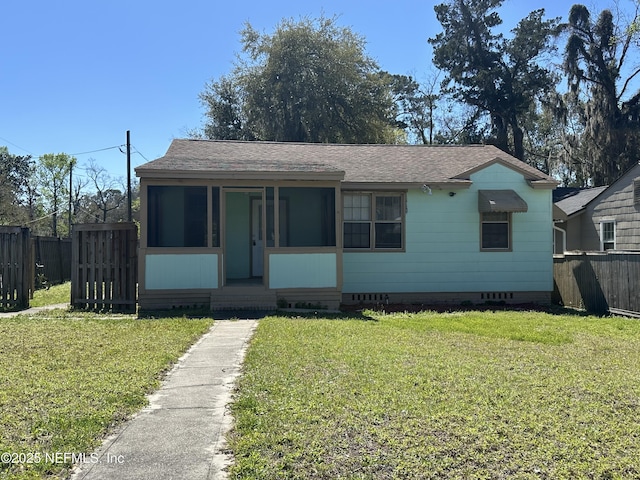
177	216
373	220
495	231
636	191
607	235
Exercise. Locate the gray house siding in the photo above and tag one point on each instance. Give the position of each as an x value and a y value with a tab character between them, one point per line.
572	238
573	228
616	204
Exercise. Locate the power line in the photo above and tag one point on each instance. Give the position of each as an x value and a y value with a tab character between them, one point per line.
94	151
17	146
42	218
119	147
70	154
139	153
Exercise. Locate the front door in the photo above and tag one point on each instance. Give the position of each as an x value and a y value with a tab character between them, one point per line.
243	236
257	242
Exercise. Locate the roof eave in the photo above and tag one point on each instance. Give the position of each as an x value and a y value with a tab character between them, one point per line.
575	214
542	184
439	185
238	175
535	179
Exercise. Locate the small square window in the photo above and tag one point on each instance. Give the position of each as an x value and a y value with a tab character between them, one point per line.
357	207
388	235
356	235
388	208
495	231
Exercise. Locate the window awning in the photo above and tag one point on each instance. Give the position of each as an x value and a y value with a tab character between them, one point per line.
500	201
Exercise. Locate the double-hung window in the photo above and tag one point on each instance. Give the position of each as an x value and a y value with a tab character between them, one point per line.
357	220
373	221
607	235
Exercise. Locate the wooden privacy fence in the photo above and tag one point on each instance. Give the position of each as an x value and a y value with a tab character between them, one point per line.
104	266
599	282
14	267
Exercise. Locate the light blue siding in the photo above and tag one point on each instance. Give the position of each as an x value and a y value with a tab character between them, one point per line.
181	271
443	244
302	270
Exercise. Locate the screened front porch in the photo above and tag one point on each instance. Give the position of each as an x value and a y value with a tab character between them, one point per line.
243	240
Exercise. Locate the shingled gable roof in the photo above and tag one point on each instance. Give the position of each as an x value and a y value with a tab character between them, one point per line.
357	164
574	200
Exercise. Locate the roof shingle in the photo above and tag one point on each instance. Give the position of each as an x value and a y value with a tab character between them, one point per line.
360	163
573	200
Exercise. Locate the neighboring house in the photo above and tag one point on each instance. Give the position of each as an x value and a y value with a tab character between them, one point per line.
259	224
569	207
602	218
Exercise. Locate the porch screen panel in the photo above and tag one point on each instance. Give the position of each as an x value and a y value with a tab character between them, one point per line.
310	217
271	229
177	216
215	216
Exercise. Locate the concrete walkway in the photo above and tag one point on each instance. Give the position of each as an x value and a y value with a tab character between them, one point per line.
34	310
180	435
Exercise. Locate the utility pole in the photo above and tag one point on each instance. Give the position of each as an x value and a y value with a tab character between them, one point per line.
129	176
70	192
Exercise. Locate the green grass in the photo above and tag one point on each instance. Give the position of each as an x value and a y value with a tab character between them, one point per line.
66	379
482	395
54	295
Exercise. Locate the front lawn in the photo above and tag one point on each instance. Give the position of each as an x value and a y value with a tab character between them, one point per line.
482	395
66	379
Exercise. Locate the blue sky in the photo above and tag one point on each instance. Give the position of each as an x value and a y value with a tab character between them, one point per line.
76	75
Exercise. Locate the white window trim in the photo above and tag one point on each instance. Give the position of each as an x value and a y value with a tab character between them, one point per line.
615	233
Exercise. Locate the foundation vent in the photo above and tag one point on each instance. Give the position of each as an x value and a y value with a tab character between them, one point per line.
496	296
370	297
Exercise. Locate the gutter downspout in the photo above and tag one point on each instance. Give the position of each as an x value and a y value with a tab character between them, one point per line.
564	239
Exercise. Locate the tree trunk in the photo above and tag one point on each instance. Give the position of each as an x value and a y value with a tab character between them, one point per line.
501	136
518	141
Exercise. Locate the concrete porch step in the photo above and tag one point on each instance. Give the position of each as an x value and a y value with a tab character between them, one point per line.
243	298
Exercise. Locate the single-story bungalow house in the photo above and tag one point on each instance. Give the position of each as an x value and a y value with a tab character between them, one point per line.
232	224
